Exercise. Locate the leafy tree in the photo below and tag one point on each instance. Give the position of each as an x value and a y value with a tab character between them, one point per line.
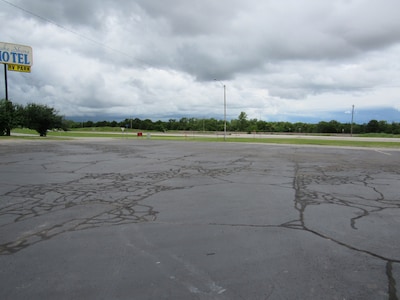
147	124
252	126
373	126
88	124
384	127
263	126
71	124
136	123
101	123
395	128
5	117
183	124
358	128
10	116
284	127
171	124
211	124
243	123
41	118
159	126
329	127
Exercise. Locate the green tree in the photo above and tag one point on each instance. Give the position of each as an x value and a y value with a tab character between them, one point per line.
283	127
395	128
242	121
103	123
211	124
171	124
147	124
183	124
372	126
159	126
329	127
10	116
88	124
71	124
384	127
41	118
136	123
252	126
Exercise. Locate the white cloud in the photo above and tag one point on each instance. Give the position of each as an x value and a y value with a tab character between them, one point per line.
278	59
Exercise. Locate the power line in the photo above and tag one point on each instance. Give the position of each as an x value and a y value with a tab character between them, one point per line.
67	29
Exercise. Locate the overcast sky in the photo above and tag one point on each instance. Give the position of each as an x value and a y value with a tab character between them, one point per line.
281	60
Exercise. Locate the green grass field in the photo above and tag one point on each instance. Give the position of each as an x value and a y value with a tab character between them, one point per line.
116	133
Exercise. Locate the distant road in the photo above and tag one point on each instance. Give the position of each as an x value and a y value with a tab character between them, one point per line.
239	135
279	136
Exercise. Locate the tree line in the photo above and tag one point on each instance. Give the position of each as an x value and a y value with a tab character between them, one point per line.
43	118
243	124
33	116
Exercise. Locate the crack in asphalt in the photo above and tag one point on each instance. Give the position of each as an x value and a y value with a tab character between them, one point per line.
114	199
306	196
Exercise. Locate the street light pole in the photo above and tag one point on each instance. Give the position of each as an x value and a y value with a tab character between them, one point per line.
352	121
224	108
224	112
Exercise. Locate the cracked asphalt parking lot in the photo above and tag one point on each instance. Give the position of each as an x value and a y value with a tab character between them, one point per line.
147	219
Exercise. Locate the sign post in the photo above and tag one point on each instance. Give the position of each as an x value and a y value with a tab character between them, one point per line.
5	81
15	58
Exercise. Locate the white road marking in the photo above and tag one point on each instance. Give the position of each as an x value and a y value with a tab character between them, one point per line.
380	151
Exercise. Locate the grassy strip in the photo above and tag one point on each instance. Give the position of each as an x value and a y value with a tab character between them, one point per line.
88	134
300	141
194	138
288	141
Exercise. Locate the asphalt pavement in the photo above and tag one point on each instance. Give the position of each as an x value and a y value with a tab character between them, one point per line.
148	219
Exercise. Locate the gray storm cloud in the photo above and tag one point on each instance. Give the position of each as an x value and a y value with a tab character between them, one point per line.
283	50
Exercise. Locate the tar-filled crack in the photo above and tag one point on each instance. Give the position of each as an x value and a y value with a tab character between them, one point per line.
305	197
105	199
391	282
110	199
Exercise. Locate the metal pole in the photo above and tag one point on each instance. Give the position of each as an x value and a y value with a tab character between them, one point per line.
5	80
7	104
352	120
224	107
224	112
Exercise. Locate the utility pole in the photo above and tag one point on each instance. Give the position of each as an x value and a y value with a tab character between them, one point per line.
224	112
352	121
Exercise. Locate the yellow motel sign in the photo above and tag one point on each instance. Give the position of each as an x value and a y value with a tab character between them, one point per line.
19	68
17	57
